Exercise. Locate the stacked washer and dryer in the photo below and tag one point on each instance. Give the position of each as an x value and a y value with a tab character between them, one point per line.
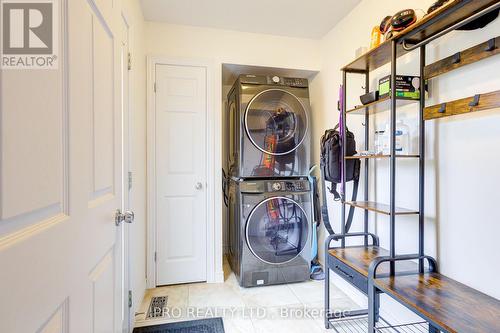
269	194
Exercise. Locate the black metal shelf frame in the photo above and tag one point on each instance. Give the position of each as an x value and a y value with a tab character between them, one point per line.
373	297
374	300
393	156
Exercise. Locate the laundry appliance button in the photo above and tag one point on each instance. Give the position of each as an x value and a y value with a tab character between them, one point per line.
276	186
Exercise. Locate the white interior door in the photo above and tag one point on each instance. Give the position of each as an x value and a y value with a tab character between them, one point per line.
180	155
61	181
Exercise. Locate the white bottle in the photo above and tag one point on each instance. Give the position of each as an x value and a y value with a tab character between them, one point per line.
386	140
402	139
379	142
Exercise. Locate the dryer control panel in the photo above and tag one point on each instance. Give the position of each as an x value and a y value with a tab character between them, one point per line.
274	80
288	186
287	81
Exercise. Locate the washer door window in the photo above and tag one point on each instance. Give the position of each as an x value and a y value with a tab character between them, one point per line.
277	230
276	122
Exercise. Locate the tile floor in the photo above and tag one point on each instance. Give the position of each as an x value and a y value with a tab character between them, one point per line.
283	308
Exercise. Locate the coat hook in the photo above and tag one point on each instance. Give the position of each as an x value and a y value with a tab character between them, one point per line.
442	109
491	45
475	101
456	58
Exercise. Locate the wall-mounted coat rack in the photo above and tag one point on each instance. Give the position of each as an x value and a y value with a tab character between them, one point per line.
463	58
475	103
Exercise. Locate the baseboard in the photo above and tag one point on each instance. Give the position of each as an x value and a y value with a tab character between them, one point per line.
219	277
138	298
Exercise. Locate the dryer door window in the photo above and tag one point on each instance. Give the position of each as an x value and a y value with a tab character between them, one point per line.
276	122
277	230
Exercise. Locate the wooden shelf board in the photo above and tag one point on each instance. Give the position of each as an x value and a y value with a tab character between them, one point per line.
360	257
486	101
355	157
448	303
381	105
430	25
380	208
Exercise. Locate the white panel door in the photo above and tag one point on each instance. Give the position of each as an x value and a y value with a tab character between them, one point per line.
180	154
61	181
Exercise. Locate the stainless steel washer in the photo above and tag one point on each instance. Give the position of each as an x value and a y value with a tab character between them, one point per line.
270	225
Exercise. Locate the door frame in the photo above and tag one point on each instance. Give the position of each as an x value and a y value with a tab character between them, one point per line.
213	249
127	140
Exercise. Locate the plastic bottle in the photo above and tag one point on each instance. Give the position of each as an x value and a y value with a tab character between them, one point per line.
376	37
386	140
379	142
402	139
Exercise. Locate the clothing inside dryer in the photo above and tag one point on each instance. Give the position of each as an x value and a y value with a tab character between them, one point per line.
276	123
277	230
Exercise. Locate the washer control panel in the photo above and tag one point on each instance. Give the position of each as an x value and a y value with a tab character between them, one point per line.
288	186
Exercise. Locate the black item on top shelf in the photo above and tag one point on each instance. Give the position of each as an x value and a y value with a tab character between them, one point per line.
403	19
482	21
436	5
476	24
385	24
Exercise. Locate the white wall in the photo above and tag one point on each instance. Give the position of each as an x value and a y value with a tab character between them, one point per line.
232	47
462	159
225	46
138	195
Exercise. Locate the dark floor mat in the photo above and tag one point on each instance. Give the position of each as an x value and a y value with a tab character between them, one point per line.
212	325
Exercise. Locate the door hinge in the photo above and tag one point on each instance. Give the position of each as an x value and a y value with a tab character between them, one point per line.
129	65
129	180
154	87
130	298
156	256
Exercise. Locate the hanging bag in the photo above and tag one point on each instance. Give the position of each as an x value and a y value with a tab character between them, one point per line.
331	169
331	159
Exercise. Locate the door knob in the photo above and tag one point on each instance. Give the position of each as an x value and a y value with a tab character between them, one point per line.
127	217
198	186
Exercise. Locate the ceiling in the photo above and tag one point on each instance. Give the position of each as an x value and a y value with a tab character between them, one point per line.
293	18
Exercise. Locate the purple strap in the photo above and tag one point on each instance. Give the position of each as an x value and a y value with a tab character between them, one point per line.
341	129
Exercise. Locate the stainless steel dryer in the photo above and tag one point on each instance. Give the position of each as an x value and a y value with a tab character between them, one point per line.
268	127
270	225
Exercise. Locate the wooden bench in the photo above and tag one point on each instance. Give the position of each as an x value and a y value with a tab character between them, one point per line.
449	305
352	263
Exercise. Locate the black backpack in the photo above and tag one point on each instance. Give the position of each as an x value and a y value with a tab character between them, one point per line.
331	169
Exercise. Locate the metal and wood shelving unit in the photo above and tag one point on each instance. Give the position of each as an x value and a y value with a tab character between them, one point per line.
411	279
